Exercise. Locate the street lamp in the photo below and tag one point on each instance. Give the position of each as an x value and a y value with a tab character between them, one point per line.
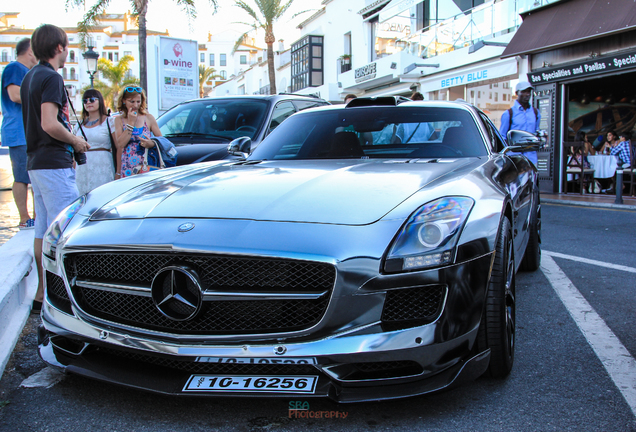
91	61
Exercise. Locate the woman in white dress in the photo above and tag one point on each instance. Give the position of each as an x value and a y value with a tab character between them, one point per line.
99	167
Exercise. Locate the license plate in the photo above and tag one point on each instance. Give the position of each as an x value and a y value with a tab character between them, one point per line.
257	360
252	383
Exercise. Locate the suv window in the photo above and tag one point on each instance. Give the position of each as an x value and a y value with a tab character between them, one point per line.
302	104
281	112
217	118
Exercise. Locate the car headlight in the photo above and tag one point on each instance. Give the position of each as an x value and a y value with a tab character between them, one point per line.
429	236
55	231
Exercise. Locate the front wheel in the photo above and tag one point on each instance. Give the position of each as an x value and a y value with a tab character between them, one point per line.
497	328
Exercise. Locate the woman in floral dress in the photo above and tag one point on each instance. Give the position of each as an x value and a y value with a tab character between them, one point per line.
134	127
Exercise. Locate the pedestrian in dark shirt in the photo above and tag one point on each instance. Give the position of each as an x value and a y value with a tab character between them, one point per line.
50	143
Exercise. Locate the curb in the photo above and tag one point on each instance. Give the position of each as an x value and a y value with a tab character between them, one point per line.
588	204
18	284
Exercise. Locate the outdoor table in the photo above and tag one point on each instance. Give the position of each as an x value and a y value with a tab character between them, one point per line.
604	165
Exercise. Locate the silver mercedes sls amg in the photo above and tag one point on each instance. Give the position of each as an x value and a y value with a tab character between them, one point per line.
360	252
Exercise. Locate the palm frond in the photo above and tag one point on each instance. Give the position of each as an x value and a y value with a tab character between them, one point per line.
90	19
247	8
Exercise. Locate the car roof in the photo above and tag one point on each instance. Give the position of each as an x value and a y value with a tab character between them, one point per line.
369	103
275	98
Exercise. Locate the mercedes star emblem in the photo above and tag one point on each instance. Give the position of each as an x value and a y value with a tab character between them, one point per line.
185	227
177	293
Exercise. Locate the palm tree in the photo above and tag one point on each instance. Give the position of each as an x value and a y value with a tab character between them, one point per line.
206	74
117	76
140	8
269	11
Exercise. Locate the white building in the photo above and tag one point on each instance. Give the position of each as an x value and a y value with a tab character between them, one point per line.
115	37
444	49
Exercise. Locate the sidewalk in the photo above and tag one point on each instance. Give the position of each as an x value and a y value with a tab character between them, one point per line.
590	200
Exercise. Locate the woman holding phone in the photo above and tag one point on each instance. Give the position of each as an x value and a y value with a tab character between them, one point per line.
133	128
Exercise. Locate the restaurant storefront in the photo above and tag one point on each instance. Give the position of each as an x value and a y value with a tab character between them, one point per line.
584	82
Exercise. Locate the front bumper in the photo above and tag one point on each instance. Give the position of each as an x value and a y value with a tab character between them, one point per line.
360	362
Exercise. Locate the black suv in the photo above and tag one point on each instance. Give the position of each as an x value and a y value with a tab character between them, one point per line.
201	129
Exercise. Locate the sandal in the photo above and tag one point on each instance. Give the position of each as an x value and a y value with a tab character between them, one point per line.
29	224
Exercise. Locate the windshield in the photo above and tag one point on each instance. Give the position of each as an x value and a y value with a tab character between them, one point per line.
375	132
222	119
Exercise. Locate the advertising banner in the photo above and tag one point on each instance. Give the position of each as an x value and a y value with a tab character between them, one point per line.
178	71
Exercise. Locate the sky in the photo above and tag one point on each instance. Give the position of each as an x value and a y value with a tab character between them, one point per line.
162	15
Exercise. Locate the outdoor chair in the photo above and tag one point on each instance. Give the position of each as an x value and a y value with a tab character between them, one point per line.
576	167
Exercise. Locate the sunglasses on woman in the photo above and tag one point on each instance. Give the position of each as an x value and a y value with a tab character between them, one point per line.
133	89
90	100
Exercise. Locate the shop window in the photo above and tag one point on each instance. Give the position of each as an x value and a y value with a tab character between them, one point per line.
223	60
307	63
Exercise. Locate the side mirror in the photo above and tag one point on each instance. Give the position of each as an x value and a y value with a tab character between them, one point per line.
240	147
520	141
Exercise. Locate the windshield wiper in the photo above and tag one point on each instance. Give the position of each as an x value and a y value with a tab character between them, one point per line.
195	134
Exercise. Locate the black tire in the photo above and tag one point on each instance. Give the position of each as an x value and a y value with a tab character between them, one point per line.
497	328
532	256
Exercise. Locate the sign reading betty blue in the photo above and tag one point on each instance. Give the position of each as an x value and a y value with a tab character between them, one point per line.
590	67
465	78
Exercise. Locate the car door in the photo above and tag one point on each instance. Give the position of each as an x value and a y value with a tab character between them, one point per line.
517	179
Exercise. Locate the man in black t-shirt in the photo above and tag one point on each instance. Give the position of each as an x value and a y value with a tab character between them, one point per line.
50	143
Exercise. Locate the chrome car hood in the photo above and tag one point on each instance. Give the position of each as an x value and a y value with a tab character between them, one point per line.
349	192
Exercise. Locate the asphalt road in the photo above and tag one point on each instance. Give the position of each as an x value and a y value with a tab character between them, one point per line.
574	368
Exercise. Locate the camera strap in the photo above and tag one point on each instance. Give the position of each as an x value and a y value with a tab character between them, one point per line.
79	123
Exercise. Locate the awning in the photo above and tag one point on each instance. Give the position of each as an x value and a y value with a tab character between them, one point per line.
570	22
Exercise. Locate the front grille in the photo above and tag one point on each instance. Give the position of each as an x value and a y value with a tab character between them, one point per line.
190	366
230	274
216	272
56	292
411	307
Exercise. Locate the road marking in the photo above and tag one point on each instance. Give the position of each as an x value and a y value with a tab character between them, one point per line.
589	261
618	362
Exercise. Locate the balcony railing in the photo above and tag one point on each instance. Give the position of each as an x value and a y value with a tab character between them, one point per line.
482	22
344	64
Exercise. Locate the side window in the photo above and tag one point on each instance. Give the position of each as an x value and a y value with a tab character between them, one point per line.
176	124
302	104
496	141
281	112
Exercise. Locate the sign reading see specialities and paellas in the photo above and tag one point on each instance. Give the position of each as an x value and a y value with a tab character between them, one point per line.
178	71
589	67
